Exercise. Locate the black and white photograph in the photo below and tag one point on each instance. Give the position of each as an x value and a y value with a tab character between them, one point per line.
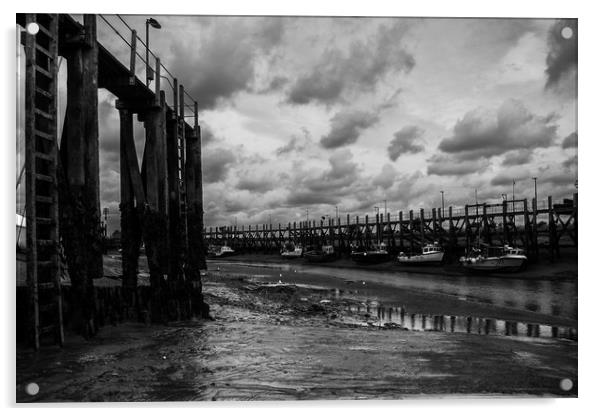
282	207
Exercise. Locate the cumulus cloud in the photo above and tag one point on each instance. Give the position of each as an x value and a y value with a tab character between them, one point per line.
328	186
386	178
570	163
570	141
346	127
450	166
226	59
216	164
505	178
207	134
482	133
405	141
255	182
295	144
562	55
360	68
518	157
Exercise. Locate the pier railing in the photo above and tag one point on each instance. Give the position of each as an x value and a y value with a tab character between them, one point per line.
533	225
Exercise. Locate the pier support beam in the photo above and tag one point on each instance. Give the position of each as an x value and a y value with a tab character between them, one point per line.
154	229
79	195
196	244
131	206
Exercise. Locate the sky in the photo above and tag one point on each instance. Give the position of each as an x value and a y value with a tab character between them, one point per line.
307	116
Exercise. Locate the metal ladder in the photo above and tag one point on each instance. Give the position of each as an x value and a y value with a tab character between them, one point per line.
182	173
41	159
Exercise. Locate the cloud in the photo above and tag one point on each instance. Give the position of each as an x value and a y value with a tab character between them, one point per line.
364	64
295	144
226	59
342	173
450	166
346	127
484	134
297	198
570	141
570	163
562	55
216	164
386	178
518	157
405	141
253	181
506	178
207	134
326	187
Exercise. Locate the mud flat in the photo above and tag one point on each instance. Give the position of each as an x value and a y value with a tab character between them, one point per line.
283	341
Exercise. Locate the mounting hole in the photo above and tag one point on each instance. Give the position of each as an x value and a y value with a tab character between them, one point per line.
32	389
566	384
33	28
566	32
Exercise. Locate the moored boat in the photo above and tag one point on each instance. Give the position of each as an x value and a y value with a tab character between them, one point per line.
321	256
431	254
374	256
494	258
222	251
292	251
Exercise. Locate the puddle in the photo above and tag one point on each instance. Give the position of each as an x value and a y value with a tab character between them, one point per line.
398	318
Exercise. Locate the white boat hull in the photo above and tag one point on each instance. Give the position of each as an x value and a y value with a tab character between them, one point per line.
420	258
504	263
292	254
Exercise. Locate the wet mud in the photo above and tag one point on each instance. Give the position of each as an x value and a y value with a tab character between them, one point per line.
277	340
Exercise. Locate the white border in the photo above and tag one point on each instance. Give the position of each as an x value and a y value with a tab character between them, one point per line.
589	154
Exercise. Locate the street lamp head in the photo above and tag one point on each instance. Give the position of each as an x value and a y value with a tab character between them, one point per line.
153	23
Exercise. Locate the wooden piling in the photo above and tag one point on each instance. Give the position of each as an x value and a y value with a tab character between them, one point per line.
80	196
534	230
131	236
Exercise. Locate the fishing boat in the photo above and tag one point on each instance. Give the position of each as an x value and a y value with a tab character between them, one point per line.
321	256
494	258
292	251
222	251
373	256
431	254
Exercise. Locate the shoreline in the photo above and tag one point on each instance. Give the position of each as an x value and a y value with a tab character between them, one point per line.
560	270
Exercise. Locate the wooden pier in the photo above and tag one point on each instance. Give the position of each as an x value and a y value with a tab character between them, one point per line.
535	226
161	200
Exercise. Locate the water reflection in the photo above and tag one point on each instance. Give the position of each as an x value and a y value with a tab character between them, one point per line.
398	317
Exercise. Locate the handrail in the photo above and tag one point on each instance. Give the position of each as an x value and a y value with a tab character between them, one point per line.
190	102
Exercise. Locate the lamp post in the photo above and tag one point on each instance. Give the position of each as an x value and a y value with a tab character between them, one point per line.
513	183
149	72
385	201
442	205
377	209
535	182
